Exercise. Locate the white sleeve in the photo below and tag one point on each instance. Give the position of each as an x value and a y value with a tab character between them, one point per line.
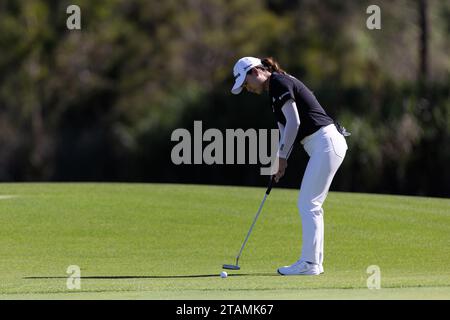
289	134
281	128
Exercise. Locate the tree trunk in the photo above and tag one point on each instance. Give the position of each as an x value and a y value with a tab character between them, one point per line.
423	46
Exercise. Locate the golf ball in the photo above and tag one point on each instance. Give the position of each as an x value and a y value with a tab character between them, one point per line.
223	274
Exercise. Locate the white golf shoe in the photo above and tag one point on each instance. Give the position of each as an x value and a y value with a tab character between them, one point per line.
300	268
321	268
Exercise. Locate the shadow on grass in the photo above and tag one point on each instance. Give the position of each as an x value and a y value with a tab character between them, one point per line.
162	277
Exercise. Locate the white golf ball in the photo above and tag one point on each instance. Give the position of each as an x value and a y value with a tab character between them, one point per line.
223	274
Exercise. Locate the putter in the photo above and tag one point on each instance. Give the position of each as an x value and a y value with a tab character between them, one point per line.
236	266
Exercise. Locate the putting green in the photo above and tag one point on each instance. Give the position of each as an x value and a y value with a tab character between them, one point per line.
161	241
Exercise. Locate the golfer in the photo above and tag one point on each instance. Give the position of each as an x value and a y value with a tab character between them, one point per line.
300	118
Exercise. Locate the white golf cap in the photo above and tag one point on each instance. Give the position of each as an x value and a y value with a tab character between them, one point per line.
240	71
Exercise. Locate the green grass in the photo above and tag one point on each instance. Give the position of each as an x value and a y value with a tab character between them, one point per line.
161	241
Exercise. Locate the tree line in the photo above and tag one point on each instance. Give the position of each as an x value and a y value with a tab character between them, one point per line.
100	103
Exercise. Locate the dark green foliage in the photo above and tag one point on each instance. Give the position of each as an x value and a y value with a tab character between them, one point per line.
101	103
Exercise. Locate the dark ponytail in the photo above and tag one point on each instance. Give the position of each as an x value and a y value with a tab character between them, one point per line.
271	65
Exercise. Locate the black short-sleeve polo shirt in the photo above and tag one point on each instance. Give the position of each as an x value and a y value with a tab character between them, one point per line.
283	87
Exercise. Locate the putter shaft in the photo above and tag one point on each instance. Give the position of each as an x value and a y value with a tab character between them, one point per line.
251	228
269	188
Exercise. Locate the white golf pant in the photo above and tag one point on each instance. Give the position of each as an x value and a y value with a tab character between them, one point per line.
326	149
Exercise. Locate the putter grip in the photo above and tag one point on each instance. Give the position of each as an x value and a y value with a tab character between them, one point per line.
269	187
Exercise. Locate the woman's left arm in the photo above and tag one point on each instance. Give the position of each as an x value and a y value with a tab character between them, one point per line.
290	131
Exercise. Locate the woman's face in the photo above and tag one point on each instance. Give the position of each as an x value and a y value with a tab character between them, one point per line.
254	81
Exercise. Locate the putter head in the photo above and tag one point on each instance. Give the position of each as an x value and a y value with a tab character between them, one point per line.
231	267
